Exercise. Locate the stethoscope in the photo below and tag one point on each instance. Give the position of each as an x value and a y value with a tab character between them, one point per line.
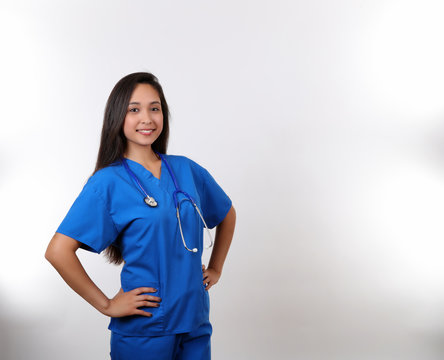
150	201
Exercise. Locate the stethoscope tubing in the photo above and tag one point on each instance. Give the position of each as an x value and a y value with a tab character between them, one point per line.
176	201
134	177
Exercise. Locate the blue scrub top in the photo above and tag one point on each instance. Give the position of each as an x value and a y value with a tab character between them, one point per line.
111	210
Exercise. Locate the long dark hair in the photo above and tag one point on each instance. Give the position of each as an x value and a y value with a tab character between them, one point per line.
113	141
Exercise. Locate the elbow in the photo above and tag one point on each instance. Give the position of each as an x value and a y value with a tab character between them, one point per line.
58	249
56	255
51	254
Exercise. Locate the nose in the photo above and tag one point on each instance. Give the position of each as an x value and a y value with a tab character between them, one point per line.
145	117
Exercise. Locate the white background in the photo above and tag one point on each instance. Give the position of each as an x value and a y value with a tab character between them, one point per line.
321	119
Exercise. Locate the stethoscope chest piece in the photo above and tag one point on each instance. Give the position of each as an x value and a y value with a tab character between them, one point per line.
150	201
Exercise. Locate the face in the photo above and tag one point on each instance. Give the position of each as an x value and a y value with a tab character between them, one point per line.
144	119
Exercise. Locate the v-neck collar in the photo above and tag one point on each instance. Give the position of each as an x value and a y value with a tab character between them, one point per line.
146	173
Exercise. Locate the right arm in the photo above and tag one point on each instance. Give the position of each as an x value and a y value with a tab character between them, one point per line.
61	253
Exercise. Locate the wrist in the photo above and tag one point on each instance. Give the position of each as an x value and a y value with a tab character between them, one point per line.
104	307
217	270
216	265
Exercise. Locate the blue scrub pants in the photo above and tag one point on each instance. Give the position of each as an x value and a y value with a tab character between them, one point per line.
194	345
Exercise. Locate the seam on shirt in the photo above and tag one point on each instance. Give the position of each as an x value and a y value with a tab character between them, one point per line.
208	176
203	174
204	186
203	179
107	209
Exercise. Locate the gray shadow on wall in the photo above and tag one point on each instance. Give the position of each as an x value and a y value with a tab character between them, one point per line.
5	333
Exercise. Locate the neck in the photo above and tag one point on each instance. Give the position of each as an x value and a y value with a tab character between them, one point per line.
144	155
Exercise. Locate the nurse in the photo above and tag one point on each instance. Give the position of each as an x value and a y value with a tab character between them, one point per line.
127	210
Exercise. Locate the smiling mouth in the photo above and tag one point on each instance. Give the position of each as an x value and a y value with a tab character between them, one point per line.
146	132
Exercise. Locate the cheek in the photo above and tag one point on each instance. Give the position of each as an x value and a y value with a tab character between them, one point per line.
127	126
159	122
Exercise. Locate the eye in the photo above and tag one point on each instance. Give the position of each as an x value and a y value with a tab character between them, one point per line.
155	109
133	110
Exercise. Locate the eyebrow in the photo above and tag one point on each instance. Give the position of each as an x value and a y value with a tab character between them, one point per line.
138	103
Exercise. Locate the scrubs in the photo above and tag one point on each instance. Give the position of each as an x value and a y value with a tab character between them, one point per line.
194	345
111	210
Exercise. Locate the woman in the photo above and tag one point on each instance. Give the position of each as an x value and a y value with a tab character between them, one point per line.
128	208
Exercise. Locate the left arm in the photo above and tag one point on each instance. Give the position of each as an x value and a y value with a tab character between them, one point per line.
222	242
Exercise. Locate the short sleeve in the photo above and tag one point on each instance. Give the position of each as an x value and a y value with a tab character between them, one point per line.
215	202
89	221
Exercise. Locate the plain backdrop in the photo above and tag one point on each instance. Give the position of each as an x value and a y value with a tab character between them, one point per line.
323	122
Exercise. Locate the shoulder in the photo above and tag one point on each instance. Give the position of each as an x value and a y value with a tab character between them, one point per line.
101	181
179	159
184	161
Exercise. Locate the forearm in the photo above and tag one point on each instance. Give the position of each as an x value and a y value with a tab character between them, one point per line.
222	241
66	262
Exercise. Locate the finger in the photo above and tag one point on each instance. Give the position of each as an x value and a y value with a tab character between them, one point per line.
203	267
144	290
147	304
210	283
149	298
208	287
143	313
